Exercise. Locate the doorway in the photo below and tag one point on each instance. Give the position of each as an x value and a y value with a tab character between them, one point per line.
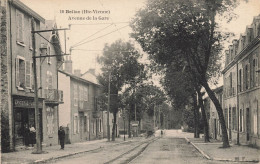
247	124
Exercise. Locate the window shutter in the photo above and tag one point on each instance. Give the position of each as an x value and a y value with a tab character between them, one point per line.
30	33
242	82
28	74
17	26
256	73
22	28
17	81
32	76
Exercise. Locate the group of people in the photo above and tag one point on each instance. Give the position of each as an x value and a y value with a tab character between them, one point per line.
30	136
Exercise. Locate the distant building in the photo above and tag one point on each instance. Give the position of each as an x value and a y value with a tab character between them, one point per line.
80	113
212	115
241	86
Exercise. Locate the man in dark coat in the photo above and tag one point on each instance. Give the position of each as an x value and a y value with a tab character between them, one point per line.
26	135
61	134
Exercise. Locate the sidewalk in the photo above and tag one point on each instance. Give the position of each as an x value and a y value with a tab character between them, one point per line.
54	152
235	153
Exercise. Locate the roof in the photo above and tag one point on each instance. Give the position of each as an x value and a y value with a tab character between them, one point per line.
79	78
218	89
27	10
90	77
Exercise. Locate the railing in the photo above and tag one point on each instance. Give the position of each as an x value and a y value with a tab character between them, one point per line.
53	96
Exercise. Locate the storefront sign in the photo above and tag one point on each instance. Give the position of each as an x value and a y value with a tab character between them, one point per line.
26	103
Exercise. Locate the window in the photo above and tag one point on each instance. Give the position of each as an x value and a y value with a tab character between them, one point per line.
234	120
20	72
81	96
30	34
240	80
76	124
75	95
241	116
49	80
85	124
19	27
246	77
100	125
85	93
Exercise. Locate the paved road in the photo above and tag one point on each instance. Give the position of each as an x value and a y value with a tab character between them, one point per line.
172	149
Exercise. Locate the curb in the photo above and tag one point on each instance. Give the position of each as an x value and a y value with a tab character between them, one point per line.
218	159
204	154
63	156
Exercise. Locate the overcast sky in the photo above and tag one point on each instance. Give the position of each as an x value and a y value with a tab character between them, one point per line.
115	22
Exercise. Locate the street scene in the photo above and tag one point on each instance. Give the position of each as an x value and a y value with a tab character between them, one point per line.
141	81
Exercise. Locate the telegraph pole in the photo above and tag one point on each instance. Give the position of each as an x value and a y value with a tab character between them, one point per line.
37	113
108	108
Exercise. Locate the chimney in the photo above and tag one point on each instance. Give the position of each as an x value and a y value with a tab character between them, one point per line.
68	64
77	72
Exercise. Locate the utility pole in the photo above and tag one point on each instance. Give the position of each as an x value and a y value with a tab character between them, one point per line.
108	108
154	116
124	122
37	113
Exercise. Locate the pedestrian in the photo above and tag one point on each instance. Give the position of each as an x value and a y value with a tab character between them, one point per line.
61	134
26	135
161	133
32	135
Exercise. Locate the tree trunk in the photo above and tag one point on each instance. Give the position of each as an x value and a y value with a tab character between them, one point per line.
220	113
196	117
114	126
129	121
204	118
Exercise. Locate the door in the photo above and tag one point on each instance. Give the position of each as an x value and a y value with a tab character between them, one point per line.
247	124
229	123
81	127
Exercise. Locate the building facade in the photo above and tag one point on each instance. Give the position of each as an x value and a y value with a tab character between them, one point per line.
18	97
212	115
80	113
241	86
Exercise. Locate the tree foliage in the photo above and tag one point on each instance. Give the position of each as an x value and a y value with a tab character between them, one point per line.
177	32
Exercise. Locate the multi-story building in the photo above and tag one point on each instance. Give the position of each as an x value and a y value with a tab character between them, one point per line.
241	86
80	113
18	105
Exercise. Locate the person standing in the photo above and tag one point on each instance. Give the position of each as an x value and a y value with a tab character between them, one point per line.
26	136
61	134
32	135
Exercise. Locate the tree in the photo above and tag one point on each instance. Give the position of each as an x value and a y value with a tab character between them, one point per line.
186	31
120	62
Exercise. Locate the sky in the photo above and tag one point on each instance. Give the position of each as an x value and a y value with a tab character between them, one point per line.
112	25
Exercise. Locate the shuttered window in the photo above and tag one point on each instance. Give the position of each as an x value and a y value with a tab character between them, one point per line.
28	74
20	67
19	26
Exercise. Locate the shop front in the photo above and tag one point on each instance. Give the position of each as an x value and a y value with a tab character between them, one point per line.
24	116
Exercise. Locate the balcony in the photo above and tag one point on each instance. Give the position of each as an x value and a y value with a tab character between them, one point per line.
84	106
53	96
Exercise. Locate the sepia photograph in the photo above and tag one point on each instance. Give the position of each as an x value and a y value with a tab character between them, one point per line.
130	81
